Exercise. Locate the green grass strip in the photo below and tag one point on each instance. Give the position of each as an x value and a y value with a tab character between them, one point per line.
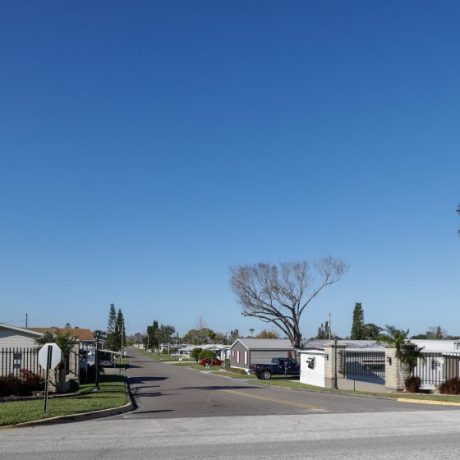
111	394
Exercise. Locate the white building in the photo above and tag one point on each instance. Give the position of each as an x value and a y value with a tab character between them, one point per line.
17	337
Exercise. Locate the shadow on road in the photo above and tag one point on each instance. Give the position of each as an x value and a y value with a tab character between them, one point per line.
140	412
222	387
147	394
139	380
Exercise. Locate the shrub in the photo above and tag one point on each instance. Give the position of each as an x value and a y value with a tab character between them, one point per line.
450	387
206	354
10	385
412	384
72	386
196	353
23	385
30	382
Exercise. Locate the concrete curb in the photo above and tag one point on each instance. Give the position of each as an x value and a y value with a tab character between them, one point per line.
429	402
79	417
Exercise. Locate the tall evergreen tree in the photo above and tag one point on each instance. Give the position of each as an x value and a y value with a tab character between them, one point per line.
151	339
120	331
111	324
358	331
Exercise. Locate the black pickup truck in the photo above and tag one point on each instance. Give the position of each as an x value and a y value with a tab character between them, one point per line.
278	366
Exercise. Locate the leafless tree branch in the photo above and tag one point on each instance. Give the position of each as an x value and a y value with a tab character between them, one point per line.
280	294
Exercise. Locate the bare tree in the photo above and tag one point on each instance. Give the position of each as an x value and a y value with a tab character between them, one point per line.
280	294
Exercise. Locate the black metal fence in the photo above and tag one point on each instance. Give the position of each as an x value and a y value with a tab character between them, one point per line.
12	360
363	365
435	368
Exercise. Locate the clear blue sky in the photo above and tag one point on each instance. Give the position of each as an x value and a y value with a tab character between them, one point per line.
146	147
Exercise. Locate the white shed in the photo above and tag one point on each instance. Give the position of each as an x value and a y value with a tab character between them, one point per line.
312	367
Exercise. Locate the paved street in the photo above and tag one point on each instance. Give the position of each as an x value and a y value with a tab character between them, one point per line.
378	435
167	391
186	414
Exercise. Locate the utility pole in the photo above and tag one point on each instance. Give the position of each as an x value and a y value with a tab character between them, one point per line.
336	386
27	319
330	327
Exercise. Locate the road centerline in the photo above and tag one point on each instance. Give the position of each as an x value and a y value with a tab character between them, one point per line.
275	400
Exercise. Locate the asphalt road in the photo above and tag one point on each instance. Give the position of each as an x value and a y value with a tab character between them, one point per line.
374	435
185	414
168	391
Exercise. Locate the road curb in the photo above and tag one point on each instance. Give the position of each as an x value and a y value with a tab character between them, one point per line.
429	402
79	417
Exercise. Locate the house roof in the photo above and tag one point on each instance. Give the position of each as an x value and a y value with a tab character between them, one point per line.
21	329
265	344
78	333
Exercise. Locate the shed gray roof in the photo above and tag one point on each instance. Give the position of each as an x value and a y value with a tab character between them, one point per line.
21	329
354	344
266	344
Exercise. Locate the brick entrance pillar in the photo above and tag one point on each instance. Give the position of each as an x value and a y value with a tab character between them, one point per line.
394	371
333	364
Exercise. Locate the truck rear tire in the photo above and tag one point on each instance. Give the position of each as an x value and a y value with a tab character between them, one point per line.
266	375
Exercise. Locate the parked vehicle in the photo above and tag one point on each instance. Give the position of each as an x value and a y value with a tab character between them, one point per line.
278	366
211	362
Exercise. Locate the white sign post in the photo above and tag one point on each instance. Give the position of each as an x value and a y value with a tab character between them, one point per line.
49	357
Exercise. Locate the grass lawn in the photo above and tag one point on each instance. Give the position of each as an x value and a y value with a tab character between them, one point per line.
234	375
111	394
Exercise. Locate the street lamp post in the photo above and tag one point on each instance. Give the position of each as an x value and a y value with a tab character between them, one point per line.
96	360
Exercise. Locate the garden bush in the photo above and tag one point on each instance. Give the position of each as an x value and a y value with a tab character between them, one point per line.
23	385
10	385
72	386
206	354
412	384
196	353
450	387
31	382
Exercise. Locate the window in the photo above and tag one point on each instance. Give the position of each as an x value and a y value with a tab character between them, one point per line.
237	356
245	357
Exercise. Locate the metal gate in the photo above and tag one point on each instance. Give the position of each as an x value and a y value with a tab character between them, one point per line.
363	365
435	368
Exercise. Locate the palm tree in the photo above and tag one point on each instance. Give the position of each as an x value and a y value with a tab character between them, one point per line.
407	353
394	337
410	355
66	343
